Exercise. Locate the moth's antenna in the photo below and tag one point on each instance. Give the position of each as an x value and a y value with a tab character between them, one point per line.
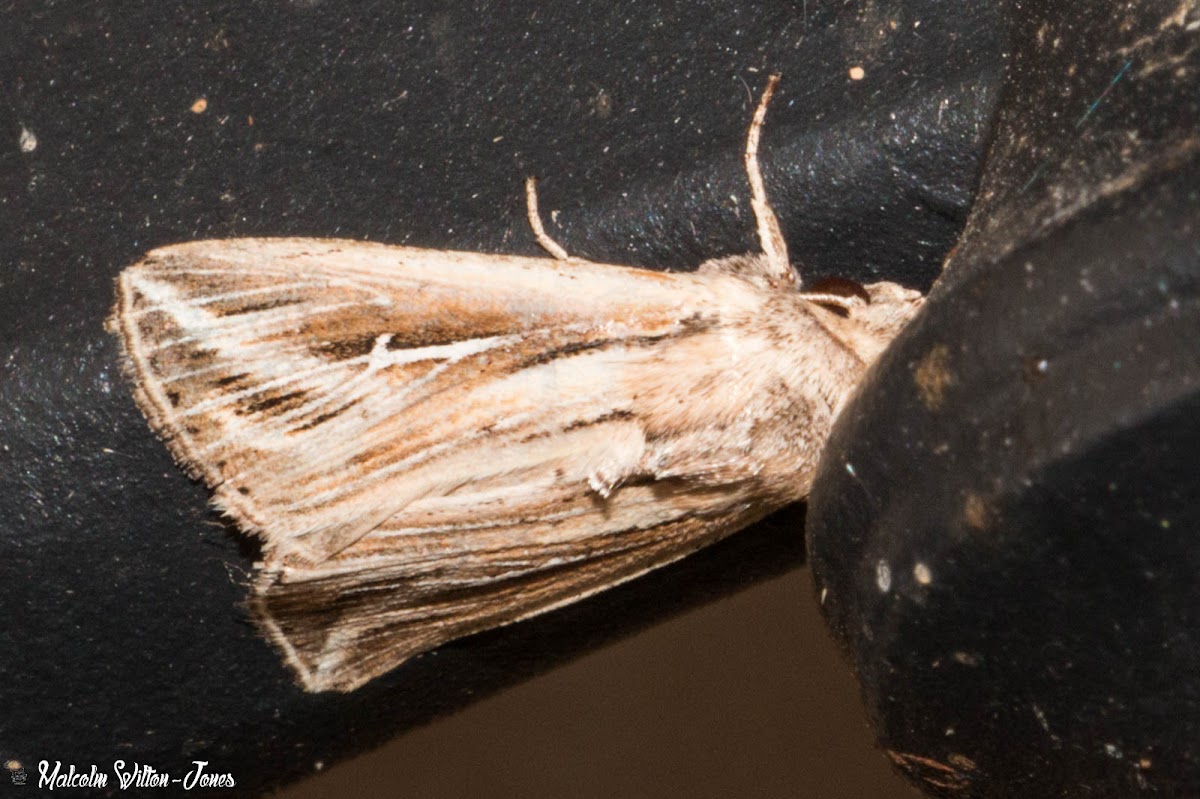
769	233
535	221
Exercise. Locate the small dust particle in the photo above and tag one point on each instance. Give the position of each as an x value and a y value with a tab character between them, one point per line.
857	73
975	512
965	659
12	765
200	106
1034	369
933	376
922	574
27	141
601	103
962	762
883	576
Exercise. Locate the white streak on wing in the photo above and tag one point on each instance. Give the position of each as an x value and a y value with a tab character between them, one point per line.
283	288
289	376
483	523
323	278
246	323
452	353
316	499
381	358
338	390
175	342
341	391
518	458
224	271
190	316
224	337
175	378
208	299
382	474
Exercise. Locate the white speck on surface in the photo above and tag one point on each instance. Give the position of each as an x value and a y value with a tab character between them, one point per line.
883	576
27	141
824	593
922	574
1113	751
850	470
965	659
857	73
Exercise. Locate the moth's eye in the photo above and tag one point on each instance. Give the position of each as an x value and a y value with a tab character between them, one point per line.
839	287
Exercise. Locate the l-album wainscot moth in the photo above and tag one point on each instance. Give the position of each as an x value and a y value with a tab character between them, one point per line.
431	443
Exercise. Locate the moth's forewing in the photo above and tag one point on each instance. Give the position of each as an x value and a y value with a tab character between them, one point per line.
434	443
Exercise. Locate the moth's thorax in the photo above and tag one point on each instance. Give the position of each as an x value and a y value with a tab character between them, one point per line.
751	400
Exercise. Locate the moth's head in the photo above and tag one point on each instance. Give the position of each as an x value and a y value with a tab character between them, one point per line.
869	316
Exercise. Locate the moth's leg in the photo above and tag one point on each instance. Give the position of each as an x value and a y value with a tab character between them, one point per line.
769	233
535	221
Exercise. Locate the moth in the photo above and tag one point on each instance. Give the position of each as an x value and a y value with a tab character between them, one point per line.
431	443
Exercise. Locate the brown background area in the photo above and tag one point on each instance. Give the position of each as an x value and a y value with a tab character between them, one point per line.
744	696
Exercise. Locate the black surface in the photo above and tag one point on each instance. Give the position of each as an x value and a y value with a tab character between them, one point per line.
1031	443
404	123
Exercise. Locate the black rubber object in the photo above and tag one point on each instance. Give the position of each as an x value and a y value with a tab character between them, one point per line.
1004	525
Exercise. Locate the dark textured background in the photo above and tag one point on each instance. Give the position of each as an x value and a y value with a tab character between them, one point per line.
415	123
